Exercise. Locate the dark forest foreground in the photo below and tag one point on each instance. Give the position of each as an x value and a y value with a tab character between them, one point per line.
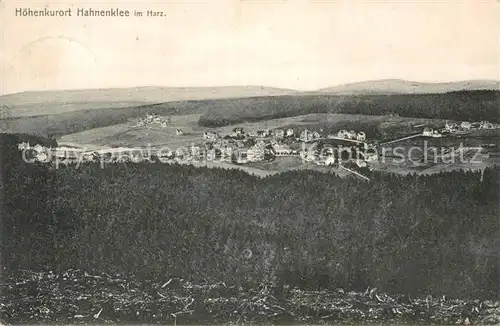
77	297
414	236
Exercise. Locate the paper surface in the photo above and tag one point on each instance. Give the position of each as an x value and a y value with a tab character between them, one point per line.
302	45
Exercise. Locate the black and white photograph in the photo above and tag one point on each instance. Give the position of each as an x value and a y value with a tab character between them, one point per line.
219	162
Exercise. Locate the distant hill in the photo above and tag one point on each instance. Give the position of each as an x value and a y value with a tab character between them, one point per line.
398	86
61	101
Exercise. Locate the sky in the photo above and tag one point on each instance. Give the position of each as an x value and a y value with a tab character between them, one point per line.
294	44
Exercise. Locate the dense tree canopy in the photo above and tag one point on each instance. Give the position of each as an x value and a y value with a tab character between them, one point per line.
460	105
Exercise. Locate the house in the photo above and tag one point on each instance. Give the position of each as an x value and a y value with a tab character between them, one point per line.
182	153
282	150
450	127
465	125
311	156
255	154
23	145
238	132
252	133
263	133
436	134
137	157
361	136
213	154
306	136
486	125
289	132
279	133
361	163
370	156
352	134
196	151
330	160
42	157
165	155
242	156
210	136
39	148
316	135
428	132
141	123
226	154
343	134
179	132
164	124
157	120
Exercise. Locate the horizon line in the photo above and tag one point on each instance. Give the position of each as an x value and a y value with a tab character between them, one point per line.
253	85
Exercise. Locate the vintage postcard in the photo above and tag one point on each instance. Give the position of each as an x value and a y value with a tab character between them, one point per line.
292	162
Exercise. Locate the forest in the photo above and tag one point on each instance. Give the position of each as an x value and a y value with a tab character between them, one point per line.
459	105
417	235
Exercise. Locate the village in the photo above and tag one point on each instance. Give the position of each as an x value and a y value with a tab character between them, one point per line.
241	147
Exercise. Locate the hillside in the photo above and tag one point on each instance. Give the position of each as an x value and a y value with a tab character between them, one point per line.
467	105
62	101
399	86
462	105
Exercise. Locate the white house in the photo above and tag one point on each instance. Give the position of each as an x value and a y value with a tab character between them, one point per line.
486	125
279	133
23	145
330	160
42	157
343	134
39	148
289	132
238	131
306	135
450	126
182	153
361	136
282	150
165	154
352	134
361	163
211	154
210	136
196	151
242	156
465	125
428	132
226	154
179	132
255	154
436	134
